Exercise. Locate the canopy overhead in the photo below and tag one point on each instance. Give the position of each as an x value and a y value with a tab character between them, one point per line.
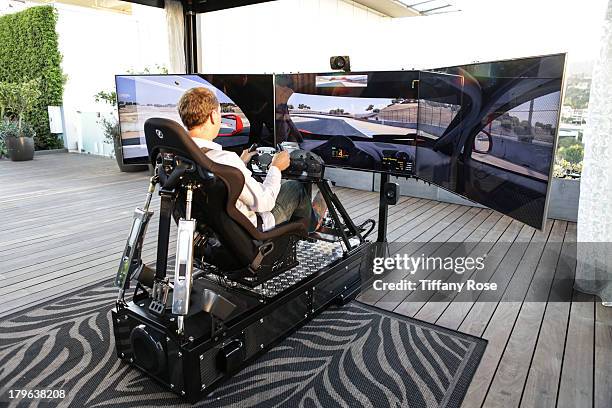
202	6
389	8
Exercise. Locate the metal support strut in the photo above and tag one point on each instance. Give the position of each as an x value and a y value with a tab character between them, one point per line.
339	214
183	271
383	209
130	261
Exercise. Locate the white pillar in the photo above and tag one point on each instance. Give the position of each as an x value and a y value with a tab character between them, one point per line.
594	269
176	36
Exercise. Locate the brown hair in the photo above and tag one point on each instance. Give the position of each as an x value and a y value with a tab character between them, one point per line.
196	105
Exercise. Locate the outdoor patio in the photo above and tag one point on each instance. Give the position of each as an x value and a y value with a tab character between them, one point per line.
66	216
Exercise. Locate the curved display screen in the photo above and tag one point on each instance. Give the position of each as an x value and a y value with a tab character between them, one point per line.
495	146
485	131
247	108
364	121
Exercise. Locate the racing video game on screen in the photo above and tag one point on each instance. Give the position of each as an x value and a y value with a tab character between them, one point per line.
246	108
357	121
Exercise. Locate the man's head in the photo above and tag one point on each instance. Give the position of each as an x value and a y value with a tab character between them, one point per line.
200	112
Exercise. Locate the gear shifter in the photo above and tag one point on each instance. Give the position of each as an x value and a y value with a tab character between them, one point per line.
254	159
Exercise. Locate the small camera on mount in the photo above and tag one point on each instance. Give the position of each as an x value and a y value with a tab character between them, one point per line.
391	193
340	62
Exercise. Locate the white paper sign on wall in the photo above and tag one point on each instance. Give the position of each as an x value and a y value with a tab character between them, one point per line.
56	125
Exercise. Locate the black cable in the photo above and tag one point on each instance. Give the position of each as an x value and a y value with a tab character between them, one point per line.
363	224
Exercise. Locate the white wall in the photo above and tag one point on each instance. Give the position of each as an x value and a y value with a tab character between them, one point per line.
96	45
10	6
287	36
301	35
487	30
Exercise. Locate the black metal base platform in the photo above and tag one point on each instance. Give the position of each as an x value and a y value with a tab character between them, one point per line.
210	351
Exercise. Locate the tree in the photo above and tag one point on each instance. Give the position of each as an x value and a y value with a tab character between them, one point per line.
573	154
370	107
18	99
157	69
227	107
109	97
28	96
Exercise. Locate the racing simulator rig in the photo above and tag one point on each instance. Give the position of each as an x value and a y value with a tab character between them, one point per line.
235	290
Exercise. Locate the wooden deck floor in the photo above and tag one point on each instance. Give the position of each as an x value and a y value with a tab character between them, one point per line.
65	218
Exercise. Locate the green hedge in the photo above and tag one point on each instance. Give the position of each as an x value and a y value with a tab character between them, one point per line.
28	50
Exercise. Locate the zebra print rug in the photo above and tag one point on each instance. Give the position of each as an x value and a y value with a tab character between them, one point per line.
353	356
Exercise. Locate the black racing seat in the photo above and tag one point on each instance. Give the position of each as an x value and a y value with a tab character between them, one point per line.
227	239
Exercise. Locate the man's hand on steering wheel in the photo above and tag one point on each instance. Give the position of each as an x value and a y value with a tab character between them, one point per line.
246	155
281	160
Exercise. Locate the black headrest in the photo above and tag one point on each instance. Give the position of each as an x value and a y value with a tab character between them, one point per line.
165	135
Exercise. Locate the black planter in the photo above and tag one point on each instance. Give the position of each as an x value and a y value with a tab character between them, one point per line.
20	148
127	168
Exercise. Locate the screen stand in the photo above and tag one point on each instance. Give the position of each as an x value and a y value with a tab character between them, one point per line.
383	209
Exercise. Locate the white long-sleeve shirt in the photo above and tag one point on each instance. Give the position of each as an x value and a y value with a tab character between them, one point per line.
255	197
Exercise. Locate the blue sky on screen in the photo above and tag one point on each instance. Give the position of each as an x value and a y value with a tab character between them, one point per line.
161	89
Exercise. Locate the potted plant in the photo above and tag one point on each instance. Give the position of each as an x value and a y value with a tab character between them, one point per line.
16	101
17	142
112	132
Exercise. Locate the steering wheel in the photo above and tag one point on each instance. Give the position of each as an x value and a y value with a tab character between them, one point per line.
262	159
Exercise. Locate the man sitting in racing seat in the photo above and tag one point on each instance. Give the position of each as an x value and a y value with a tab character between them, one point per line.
264	204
